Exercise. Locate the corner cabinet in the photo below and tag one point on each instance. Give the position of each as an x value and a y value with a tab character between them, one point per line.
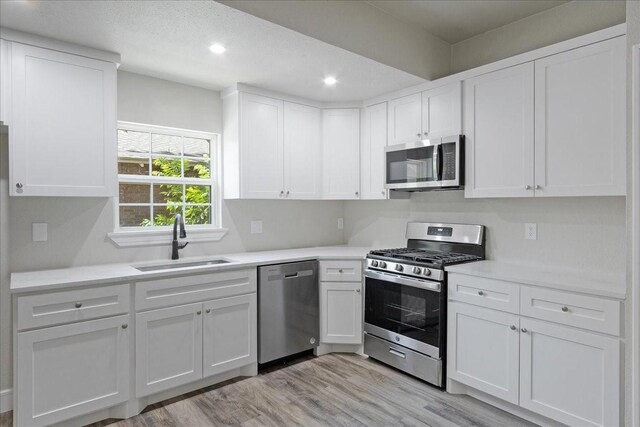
555	126
341	153
372	145
341	317
271	148
61	112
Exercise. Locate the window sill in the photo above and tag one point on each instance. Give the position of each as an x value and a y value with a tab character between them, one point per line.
138	238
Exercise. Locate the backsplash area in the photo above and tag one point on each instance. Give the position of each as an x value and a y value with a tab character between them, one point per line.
581	233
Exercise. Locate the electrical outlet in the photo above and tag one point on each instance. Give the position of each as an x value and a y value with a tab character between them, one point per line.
340	223
531	231
39	231
256	227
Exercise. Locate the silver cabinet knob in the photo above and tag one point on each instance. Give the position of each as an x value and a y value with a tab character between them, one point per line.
340	271
538	187
565	308
527	187
383	192
357	193
358	290
418	134
480	293
125	326
78	304
208	310
425	133
281	193
513	327
18	185
287	193
199	312
524	330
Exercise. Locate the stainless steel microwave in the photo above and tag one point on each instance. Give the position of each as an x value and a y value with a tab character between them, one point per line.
430	164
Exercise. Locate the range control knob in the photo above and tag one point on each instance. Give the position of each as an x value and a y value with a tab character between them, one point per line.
399	267
382	264
374	263
417	270
426	272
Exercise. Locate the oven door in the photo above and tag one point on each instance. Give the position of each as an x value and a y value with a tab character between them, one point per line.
413	166
405	311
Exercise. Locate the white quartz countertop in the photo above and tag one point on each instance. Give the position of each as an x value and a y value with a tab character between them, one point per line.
611	286
109	273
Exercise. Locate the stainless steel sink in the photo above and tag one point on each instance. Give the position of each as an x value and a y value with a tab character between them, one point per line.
173	266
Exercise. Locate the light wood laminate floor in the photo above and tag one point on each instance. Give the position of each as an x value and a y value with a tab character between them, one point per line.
331	390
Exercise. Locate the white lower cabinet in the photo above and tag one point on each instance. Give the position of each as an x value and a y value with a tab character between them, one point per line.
229	334
168	348
68	371
341	312
569	375
568	372
483	350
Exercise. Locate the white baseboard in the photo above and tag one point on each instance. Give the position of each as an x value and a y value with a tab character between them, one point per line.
6	400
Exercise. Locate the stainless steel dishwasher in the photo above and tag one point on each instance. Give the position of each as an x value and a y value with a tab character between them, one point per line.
288	309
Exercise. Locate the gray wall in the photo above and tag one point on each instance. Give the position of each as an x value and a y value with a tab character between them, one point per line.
554	25
78	226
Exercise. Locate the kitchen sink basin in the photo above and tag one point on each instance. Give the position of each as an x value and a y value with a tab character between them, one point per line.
173	266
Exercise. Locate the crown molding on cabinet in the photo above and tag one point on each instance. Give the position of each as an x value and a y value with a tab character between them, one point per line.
45	42
243	87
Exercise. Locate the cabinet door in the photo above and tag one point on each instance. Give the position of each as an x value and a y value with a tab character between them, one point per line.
168	348
4	81
302	152
569	375
262	145
405	119
341	153
63	124
341	312
67	371
581	121
230	335
442	111
372	160
483	350
498	125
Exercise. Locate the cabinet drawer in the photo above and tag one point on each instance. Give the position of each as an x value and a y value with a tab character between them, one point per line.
340	271
588	312
489	293
187	289
71	306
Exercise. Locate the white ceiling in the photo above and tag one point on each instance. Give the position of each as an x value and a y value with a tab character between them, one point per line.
170	39
457	20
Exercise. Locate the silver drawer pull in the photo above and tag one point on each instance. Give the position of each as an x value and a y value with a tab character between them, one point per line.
340	271
125	326
397	353
78	304
199	312
480	293
208	310
565	308
524	330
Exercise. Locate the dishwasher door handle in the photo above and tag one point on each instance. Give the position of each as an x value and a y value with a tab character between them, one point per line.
291	275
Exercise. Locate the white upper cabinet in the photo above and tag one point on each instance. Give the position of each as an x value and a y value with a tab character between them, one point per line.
302	152
498	125
341	153
62	137
4	81
442	111
405	119
261	147
372	145
580	121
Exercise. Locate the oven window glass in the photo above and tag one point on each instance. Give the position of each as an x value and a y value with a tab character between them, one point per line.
411	165
405	310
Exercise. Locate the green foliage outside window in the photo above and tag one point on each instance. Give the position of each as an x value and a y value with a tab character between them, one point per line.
197	198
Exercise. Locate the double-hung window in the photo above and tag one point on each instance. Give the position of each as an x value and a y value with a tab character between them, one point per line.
163	172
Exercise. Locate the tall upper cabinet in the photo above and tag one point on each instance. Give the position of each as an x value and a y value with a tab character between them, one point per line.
372	145
271	148
60	109
341	152
432	113
555	126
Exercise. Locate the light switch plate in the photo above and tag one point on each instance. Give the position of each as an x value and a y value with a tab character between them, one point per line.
39	231
340	223
531	231
256	227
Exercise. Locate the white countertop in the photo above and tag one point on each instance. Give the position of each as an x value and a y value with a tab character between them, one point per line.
109	273
569	280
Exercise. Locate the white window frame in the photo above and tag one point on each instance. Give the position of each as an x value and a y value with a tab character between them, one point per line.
161	235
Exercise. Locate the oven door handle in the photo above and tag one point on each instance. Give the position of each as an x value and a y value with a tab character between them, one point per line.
415	283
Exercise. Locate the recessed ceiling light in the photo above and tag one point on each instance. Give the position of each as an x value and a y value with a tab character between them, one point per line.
330	81
217	48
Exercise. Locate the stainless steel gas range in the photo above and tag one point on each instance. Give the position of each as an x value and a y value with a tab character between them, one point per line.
406	296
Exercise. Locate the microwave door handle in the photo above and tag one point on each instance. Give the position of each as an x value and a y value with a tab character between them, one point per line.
436	161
